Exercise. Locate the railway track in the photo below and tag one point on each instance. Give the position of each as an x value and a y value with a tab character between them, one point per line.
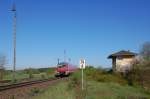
17	85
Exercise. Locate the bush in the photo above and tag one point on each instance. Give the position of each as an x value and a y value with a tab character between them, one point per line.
50	71
101	75
140	74
31	75
43	75
74	80
31	70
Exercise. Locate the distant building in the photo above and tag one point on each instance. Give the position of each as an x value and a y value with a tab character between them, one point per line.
122	60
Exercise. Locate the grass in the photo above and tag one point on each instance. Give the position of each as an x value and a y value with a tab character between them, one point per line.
29	73
18	76
93	90
98	85
59	91
97	90
21	76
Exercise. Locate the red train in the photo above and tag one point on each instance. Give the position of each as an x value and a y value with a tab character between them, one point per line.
64	69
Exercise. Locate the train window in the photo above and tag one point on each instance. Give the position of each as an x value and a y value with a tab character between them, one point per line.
63	64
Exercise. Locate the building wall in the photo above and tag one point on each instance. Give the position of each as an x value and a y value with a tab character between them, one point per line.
114	64
123	64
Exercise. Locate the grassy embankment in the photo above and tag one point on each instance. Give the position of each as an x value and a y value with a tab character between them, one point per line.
94	90
99	85
59	91
29	74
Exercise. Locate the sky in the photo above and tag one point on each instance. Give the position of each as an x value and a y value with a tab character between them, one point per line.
88	29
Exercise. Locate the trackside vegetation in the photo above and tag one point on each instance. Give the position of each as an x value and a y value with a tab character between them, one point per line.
26	75
99	84
59	91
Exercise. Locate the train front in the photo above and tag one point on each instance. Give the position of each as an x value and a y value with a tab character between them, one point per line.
64	69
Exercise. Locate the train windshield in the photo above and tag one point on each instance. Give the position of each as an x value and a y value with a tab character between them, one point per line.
63	64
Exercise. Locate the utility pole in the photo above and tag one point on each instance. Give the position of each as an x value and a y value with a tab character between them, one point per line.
57	61
69	60
14	40
64	55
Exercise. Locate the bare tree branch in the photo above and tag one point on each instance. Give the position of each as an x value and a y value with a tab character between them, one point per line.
145	51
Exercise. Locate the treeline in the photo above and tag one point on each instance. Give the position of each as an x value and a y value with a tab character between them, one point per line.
140	73
39	70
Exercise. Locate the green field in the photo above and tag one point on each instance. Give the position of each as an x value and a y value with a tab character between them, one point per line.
97	90
59	91
99	84
26	75
93	90
20	76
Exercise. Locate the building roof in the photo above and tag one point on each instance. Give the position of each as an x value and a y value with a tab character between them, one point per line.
122	53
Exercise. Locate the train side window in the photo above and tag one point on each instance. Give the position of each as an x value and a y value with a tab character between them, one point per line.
60	66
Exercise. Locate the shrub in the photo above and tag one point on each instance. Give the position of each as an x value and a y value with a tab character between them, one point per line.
29	71
74	80
43	75
31	75
101	75
140	74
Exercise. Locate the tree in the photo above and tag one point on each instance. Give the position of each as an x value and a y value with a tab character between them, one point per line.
145	64
29	71
145	51
141	70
